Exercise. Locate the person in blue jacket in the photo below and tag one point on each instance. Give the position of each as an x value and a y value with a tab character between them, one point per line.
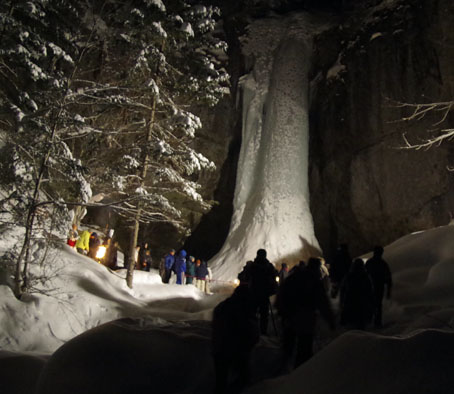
180	266
169	261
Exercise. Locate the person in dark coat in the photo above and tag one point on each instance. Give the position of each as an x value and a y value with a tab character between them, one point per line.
260	275
190	270
235	332
201	273
380	274
356	297
142	253
283	273
147	261
339	267
180	266
318	267
110	259
298	301
93	245
296	267
169	261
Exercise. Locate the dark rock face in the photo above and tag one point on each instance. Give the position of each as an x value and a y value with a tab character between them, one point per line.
222	145
222	129
365	190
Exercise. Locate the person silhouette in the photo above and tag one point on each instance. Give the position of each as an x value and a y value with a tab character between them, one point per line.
260	276
380	274
283	273
235	332
356	297
300	298
339	267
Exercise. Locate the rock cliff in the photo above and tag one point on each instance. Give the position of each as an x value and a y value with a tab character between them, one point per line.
365	188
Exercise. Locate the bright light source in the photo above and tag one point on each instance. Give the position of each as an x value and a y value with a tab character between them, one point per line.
277	279
236	282
101	252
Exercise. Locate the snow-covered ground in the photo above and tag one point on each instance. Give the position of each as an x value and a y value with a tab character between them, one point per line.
92	334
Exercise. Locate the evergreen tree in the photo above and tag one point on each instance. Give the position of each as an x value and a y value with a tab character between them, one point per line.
38	57
155	62
96	85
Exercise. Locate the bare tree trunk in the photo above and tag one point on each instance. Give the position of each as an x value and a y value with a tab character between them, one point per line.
19	274
132	248
21	269
143	174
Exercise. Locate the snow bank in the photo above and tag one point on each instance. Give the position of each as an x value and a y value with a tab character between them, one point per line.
161	342
19	373
359	363
81	294
134	356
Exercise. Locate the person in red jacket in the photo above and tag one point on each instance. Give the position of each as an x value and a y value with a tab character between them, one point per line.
72	236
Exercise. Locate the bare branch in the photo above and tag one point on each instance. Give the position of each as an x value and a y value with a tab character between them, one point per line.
446	135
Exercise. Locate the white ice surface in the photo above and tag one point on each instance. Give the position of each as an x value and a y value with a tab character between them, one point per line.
271	203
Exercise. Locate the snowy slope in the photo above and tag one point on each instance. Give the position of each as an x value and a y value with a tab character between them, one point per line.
84	294
359	363
161	343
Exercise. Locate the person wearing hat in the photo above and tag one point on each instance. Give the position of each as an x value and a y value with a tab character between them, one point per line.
260	276
190	270
82	244
180	266
169	261
201	274
93	244
283	273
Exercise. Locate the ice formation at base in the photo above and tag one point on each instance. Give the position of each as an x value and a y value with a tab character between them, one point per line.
271	203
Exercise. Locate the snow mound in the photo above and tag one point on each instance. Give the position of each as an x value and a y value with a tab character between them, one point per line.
81	294
422	264
359	362
156	337
133	356
20	372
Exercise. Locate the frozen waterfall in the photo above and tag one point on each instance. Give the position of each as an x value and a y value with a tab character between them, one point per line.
271	203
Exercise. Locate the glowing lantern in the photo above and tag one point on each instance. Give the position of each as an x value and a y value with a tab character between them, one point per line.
101	252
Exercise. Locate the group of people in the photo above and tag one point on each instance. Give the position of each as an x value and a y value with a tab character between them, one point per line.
187	269
361	286
302	293
90	244
142	258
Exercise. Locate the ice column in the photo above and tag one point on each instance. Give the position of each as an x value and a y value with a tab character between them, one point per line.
271	203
